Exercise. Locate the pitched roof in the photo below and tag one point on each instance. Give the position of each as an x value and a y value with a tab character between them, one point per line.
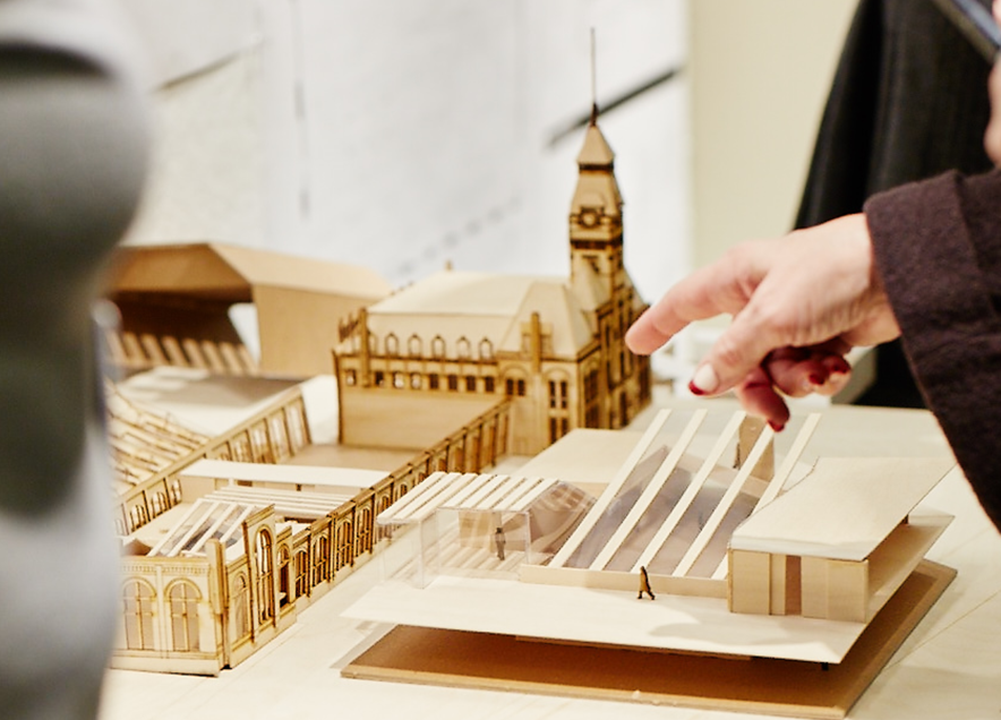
596	151
476	306
230	273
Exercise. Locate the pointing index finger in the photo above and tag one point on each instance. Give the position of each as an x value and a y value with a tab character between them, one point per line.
706	293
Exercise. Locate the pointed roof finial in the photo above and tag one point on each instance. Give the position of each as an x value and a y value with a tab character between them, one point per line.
594	82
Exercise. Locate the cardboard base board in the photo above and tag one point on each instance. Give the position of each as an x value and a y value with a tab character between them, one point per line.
759	685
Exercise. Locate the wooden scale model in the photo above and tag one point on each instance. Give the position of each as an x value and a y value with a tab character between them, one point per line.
769	592
744	580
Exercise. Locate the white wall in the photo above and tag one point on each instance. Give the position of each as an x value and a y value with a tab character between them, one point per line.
761	72
403	133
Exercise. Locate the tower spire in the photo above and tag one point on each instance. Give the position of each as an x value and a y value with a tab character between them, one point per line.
594	81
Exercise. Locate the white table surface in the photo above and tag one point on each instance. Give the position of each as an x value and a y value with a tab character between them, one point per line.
950	666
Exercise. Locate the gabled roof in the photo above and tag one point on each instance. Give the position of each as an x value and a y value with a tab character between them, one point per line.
558	309
230	273
476	306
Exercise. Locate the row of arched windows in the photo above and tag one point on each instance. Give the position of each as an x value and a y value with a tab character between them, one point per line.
139	599
252	592
273	439
392	347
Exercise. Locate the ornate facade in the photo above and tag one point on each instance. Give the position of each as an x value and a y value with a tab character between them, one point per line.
456	341
216	567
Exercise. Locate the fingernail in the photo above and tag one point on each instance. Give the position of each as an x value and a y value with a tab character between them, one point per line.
777	427
816	379
704	381
841	366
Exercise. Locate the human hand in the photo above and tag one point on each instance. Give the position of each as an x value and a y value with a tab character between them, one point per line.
799	303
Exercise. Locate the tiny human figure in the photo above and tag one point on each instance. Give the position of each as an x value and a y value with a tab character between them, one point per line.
499	543
644	585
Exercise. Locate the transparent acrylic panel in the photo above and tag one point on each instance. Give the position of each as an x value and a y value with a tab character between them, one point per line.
616	512
650	522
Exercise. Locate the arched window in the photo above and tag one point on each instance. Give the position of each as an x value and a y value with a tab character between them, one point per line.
138	597
260	448
138	516
486	349
345	545
414	346
241	606
321	560
296	427
265	577
462	348
364	531
392	345
514	386
279	437
240	447
438	347
301	573
184	616
284	561
383	531
558	391
159	502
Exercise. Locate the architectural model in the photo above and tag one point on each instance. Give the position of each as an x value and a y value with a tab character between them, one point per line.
451	344
174	302
792	567
227	533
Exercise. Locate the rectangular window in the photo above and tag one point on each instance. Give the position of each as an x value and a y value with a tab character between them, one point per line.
415	381
521	387
552	393
433	381
350	377
453	382
398	381
380	378
470	383
509	386
488	384
563	394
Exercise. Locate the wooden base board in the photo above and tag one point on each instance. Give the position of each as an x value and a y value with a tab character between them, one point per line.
759	685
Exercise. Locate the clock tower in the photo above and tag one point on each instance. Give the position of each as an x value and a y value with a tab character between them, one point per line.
596	220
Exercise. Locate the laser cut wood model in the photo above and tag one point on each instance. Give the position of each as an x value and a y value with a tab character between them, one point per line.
817	575
174	302
227	535
452	344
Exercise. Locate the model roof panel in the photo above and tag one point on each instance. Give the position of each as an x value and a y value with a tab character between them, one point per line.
848	507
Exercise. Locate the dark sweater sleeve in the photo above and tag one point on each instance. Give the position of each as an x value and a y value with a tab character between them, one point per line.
938	250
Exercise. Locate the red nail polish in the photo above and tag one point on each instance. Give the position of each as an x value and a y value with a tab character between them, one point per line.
841	367
694	390
816	379
777	427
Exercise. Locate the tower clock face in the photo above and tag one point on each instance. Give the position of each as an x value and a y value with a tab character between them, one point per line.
588	218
